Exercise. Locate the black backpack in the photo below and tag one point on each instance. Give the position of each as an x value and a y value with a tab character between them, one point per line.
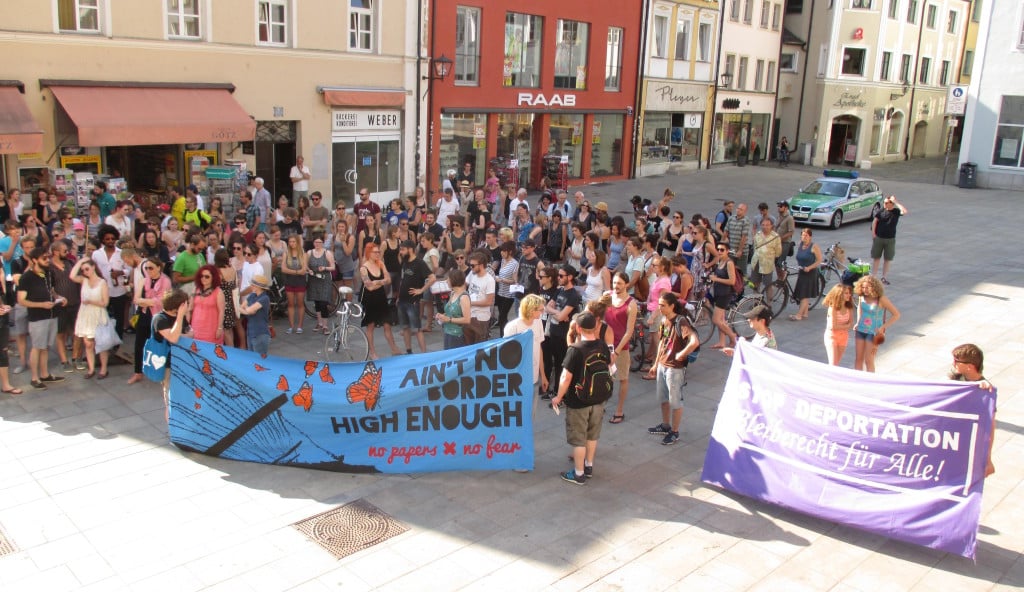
595	384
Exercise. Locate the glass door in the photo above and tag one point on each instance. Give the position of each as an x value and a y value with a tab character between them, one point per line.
373	162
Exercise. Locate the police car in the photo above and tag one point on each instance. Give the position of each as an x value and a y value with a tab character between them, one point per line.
837	197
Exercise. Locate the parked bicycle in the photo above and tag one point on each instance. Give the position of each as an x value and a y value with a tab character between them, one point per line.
346	341
638	346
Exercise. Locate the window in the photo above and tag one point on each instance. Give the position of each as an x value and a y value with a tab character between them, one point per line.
273	22
765	8
865	4
933	12
571	54
853	60
794	6
951	23
81	16
944	74
976	11
894	7
467	46
683	28
965	68
905	68
183	19
734	10
787	62
660	36
704	33
758	73
741	75
1009	132
886	65
523	34
895	131
776	16
876	138
769	85
748	11
613	60
360	25
730	69
926	68
912	12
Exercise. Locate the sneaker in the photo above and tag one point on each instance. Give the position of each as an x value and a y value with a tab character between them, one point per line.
299	330
67	367
38	384
18	369
885	281
670	438
588	472
80	364
547	396
289	331
573	478
52	378
660	430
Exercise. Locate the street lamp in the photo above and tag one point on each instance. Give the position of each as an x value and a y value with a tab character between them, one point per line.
441	67
726	80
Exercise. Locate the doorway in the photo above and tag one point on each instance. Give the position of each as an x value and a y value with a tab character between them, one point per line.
842	146
275	156
374	162
920	138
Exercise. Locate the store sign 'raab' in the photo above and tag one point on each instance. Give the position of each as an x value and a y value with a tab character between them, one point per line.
539	100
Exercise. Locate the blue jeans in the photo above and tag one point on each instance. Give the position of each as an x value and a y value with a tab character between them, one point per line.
259	343
409	314
669	386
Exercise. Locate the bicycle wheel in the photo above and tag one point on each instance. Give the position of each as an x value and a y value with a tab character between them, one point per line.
821	292
637	350
737	319
332	306
346	344
777	297
702	323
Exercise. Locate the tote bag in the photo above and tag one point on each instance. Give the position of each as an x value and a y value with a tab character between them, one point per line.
155	355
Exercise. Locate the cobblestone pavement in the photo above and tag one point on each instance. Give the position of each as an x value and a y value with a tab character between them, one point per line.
94	498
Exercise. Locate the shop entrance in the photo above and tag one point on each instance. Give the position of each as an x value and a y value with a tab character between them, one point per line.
842	146
920	137
515	141
275	156
374	162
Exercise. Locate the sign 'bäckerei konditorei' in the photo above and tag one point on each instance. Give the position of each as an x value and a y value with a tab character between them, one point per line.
460	409
901	458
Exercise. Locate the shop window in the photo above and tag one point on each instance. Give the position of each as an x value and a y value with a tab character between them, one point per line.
360	25
932	13
660	36
912	12
657	136
788	62
765	8
272	22
464	139
183	21
79	16
571	54
683	28
606	145
926	68
894	9
515	140
567	140
704	33
613	60
853	60
895	131
886	68
944	73
467	46
523	35
1009	133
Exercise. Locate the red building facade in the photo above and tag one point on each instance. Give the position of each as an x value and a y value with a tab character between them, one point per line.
545	87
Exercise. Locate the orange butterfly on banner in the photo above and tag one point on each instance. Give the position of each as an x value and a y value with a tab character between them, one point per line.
304	398
220	353
194	348
367	389
206	367
282	383
311	367
199	394
325	374
260	368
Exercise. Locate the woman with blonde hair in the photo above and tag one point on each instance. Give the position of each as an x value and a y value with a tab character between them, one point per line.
530	310
839	320
875	313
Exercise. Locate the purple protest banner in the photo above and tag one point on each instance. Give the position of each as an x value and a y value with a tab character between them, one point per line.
897	457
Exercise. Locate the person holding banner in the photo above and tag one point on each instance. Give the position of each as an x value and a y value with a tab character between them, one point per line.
875	313
456	311
968	362
677	340
759	319
169	325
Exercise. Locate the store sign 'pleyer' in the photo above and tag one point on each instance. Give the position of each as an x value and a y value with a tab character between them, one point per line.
539	100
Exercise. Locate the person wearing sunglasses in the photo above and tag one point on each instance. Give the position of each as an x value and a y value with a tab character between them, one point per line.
314	219
148	299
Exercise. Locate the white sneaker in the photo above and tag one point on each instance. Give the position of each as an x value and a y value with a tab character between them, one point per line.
18	369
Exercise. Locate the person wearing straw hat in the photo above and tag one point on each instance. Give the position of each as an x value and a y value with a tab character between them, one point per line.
257	308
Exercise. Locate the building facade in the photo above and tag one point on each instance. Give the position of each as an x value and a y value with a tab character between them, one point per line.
994	135
677	88
874	80
744	100
546	88
152	90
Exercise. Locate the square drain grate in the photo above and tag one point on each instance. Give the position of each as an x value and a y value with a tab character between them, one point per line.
350	528
6	545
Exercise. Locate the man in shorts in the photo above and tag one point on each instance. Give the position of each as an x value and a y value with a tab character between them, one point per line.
35	293
883	235
415	280
16	267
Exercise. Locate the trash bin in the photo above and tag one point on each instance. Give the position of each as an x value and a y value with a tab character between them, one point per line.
968	175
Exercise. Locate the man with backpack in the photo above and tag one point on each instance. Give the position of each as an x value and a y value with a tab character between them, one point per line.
585	386
677	345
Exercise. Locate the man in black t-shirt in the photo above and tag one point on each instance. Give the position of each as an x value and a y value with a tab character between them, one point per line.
529	263
883	235
35	293
561	309
415	279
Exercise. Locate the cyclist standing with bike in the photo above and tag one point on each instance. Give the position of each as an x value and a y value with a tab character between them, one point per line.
808	257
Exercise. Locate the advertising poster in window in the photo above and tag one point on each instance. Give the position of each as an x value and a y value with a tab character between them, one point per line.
577	132
581	77
596	132
479	135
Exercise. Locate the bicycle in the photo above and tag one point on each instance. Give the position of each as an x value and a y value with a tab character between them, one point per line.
638	345
346	342
332	306
699	309
831	268
278	299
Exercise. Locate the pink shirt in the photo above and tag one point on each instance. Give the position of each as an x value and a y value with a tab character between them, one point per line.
662	284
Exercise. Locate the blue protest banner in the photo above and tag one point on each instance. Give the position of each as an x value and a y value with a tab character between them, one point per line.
901	458
461	409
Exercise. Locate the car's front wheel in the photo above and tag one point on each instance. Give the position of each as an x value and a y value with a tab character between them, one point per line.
837	220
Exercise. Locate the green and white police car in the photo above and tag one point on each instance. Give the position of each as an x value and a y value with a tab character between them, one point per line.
838	196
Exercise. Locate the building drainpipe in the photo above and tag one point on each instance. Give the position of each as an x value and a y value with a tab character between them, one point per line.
803	80
419	77
430	99
714	82
913	82
640	75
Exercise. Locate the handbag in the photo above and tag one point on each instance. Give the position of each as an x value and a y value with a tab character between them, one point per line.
155	355
106	337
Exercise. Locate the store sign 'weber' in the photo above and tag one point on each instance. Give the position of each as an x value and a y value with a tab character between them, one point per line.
366	120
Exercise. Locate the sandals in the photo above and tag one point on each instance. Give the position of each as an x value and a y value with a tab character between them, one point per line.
794	317
617	418
90	374
102	375
13	391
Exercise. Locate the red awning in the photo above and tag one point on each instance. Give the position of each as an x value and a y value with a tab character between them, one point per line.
364	98
19	132
133	116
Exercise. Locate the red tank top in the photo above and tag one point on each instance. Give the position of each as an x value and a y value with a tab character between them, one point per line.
617	317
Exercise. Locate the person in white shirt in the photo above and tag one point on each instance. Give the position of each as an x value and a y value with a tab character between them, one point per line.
520	198
447	206
481	287
250	269
300	177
